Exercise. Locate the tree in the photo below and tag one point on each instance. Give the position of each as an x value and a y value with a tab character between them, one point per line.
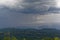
56	38
6	38
13	38
47	38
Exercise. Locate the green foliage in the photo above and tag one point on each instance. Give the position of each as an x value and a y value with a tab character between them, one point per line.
47	38
56	38
6	38
13	38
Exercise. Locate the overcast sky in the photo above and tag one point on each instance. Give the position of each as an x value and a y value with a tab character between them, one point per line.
29	12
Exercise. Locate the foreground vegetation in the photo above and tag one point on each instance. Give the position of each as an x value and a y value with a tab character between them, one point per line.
15	38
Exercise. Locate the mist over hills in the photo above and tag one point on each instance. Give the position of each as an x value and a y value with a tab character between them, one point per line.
51	26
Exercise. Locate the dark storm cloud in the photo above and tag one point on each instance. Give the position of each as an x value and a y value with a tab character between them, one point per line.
37	7
34	7
33	11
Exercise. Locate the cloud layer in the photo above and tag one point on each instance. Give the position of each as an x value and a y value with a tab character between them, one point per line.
28	12
30	6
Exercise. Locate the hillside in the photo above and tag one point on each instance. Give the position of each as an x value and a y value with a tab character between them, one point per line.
31	34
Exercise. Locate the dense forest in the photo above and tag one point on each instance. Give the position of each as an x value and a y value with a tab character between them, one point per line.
29	34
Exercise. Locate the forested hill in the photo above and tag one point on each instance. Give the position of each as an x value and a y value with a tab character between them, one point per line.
29	34
49	32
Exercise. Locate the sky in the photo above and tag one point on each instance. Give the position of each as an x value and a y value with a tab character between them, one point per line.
15	13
